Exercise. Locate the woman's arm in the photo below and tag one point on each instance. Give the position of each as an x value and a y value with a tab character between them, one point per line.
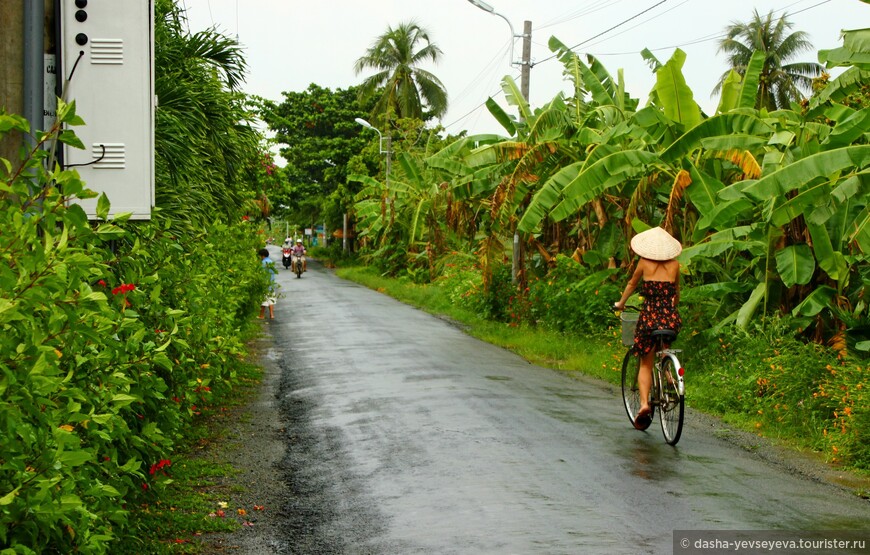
630	286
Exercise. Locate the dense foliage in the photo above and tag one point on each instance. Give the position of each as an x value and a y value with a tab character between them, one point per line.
115	334
772	207
319	139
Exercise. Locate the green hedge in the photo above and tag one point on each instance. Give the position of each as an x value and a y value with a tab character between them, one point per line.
113	335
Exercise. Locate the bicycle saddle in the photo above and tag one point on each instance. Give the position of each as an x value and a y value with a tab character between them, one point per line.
667	334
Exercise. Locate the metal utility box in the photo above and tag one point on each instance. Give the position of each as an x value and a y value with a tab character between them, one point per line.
107	68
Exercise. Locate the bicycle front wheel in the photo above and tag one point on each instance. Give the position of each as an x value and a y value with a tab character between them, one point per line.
671	403
630	392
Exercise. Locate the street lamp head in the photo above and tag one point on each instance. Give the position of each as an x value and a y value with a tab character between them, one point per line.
483	6
364	123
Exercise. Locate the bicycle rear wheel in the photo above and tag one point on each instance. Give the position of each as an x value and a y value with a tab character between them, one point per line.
630	392
671	403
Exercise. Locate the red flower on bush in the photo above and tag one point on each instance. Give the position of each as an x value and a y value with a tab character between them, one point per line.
123	288
102	282
160	466
245	218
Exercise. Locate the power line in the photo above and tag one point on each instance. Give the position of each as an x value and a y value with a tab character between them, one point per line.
479	106
484	74
811	7
790	5
602	4
608	30
641	23
706	38
699	40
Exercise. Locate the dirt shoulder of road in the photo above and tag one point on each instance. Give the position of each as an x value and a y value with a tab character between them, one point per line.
806	464
252	440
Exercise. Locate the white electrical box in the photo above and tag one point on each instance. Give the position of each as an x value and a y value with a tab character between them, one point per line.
107	51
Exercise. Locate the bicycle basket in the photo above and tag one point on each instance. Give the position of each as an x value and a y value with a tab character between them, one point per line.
629	322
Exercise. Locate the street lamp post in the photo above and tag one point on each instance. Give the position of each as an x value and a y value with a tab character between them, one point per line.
386	151
524	63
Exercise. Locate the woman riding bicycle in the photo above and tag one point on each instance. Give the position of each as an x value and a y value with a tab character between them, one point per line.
661	293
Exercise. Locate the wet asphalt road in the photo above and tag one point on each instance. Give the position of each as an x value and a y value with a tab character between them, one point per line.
404	435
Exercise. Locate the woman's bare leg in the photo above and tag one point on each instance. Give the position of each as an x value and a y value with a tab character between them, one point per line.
644	380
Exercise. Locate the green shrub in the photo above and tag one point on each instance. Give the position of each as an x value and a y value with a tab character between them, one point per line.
768	380
113	335
466	289
572	299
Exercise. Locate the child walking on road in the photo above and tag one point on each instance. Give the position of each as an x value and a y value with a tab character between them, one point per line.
271	294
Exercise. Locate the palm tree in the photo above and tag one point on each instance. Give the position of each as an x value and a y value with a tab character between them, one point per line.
780	83
204	135
402	85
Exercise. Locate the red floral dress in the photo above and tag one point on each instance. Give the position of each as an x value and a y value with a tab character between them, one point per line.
658	313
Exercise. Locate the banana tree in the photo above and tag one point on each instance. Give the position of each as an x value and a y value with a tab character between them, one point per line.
408	216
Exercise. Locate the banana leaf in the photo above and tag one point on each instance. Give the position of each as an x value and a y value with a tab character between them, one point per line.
495	153
650	59
795	264
580	188
450	157
674	94
805	170
548	196
731	142
589	80
799	205
730	94
839	88
726	214
411	167
502	117
703	193
718	243
832	262
750	307
854	52
603	76
861	231
820	299
749	90
849	129
515	97
716	126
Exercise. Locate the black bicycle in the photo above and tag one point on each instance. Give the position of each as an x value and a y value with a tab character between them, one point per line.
667	394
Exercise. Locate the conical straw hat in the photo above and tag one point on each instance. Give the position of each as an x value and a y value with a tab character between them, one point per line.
656	244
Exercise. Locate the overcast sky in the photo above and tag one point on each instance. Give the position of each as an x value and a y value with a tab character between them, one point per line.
290	44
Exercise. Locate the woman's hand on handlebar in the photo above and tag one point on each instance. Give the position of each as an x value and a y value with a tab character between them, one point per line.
619	306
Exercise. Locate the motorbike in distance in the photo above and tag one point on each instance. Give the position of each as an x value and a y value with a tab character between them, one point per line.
287	257
297	265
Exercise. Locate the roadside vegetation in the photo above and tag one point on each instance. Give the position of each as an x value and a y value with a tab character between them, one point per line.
117	334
